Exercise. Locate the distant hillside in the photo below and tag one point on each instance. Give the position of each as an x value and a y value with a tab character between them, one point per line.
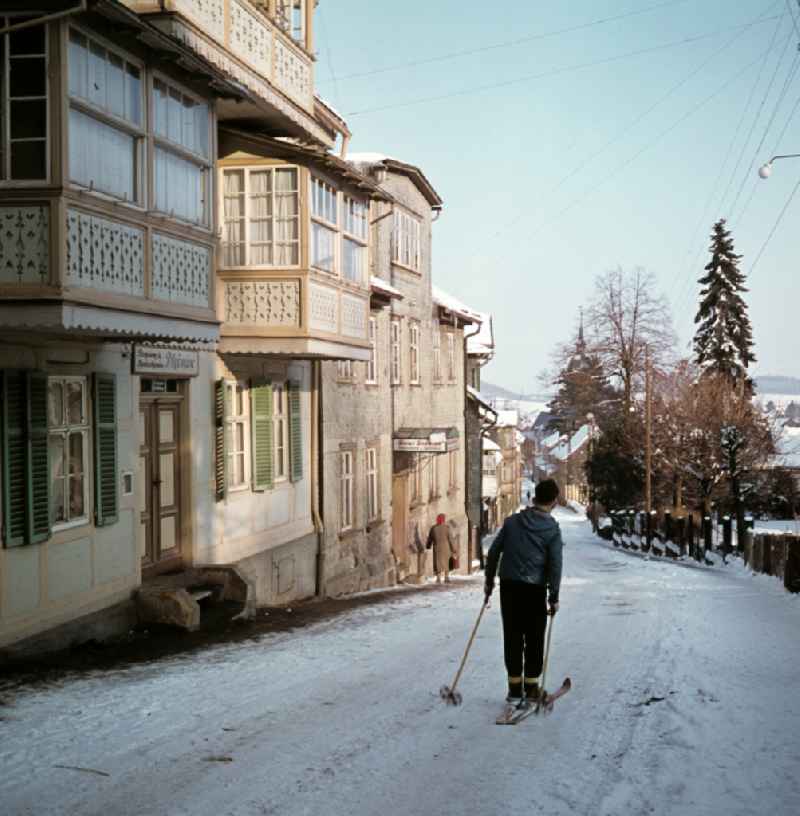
778	385
498	392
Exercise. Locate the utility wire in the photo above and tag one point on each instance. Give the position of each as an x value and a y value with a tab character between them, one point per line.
511	43
627	128
614	173
775	226
685	287
557	71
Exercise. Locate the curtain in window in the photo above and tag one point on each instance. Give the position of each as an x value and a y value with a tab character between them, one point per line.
260	217
287	220
233	243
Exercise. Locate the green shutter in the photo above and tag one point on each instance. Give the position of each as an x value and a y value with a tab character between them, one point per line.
261	435
38	469
295	431
106	501
221	412
14	457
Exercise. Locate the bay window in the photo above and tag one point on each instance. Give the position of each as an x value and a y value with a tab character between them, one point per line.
406	239
106	131
23	102
354	239
261	216
324	225
182	165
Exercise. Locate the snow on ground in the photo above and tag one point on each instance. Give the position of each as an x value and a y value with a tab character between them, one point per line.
684	702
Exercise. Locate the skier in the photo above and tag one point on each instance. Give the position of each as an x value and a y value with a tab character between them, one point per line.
440	538
530	577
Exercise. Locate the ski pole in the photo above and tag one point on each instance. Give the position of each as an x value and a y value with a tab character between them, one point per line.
449	693
542	692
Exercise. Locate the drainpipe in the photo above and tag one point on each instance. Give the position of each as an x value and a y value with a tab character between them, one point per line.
317	469
56	15
466	451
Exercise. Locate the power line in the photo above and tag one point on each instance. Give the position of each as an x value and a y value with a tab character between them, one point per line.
649	145
557	71
635	121
775	226
512	43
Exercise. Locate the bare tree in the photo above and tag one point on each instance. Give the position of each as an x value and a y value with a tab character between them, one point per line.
627	315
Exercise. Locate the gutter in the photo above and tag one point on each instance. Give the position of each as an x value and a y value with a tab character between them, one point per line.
47	18
465	364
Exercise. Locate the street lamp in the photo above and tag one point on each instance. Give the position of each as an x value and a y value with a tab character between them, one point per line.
765	171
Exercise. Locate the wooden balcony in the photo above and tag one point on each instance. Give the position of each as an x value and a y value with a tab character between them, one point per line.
292	313
239	38
76	271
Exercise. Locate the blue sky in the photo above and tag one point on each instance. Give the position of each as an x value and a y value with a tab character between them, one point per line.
549	181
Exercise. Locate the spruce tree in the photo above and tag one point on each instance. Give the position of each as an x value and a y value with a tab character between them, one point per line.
723	341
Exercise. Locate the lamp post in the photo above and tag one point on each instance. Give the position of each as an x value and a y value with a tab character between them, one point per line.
765	171
593	509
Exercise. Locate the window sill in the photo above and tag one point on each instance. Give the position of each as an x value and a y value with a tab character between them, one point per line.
371	383
415	384
375	524
407	268
434	497
70	525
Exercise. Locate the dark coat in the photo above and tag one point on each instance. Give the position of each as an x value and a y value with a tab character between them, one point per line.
530	543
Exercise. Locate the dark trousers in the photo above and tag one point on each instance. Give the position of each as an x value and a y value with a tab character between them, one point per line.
523	608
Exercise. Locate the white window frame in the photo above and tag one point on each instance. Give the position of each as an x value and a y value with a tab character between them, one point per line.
453	468
406	232
346	483
413	352
355	230
65	429
371	377
235	420
371	462
290	15
323	220
5	109
396	347
451	356
344	370
246	218
129	127
280	432
164	143
437	354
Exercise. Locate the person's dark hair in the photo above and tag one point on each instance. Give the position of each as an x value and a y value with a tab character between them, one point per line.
546	491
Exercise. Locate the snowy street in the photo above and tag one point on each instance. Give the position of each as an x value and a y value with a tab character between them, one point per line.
684	702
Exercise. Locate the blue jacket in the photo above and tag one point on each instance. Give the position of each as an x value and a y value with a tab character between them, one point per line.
530	543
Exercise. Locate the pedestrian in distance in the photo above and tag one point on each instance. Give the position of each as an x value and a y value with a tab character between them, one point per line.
528	548
441	539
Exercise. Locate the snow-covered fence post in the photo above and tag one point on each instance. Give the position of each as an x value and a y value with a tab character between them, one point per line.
708	534
690	535
791	572
727	535
652	524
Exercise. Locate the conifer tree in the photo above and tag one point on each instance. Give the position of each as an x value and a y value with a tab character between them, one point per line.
723	341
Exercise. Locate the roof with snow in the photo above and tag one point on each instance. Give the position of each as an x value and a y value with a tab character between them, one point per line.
569	445
370	160
384	287
490	445
507	419
452	304
482	343
476	395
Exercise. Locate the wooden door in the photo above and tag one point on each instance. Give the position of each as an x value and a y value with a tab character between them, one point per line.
160	485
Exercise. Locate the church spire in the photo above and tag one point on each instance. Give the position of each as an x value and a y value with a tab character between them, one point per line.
580	346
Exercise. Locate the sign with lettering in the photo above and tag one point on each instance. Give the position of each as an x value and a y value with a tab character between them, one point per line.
165	362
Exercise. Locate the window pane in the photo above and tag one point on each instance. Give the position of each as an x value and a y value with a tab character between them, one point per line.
115	76
101	156
179	186
56	456
78	56
56	405
27	78
27	41
174	118
160	107
28	118
352	261
97	75
75	403
322	247
29	160
133	94
76	471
